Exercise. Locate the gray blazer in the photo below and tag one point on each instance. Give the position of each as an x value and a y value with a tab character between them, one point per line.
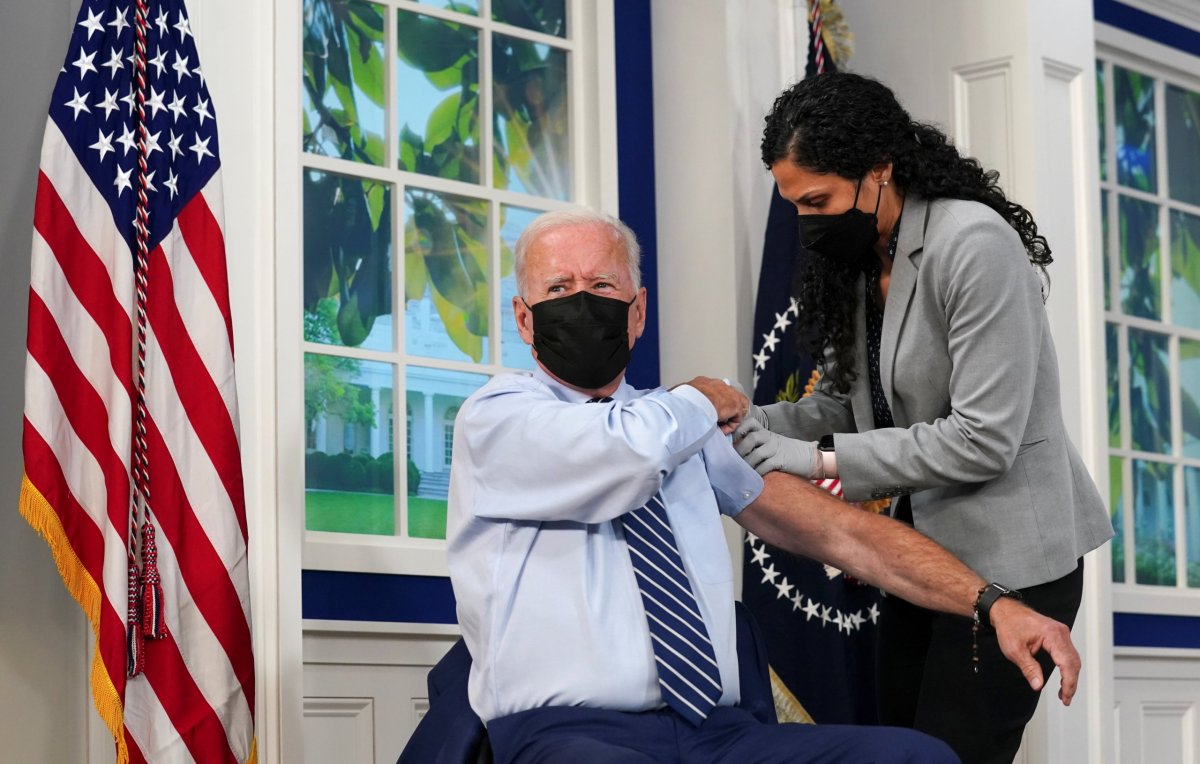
969	370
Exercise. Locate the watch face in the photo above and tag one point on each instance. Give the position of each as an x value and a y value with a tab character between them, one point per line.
997	591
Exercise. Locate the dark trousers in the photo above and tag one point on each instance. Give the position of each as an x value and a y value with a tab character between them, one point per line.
925	679
728	736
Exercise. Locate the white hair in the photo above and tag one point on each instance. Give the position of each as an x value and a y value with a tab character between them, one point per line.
549	221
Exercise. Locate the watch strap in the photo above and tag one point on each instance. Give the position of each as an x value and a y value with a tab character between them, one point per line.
988	596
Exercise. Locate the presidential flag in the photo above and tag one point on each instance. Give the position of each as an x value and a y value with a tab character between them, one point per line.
820	625
131	457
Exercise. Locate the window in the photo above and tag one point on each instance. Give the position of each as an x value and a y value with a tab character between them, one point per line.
428	134
1150	204
448	434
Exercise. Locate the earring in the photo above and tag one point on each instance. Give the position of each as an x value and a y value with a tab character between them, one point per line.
885	182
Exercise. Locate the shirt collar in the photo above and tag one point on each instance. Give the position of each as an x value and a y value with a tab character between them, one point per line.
623	392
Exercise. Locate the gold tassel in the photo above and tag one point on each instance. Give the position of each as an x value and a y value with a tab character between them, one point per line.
839	40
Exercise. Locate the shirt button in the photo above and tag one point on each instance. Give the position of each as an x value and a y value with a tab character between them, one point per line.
746	494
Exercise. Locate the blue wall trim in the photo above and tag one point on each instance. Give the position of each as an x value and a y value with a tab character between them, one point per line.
340	596
1143	630
635	167
1147	25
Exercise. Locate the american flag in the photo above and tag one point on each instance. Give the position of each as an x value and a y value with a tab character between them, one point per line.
131	456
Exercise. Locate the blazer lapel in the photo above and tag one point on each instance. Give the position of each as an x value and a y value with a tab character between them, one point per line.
860	390
900	290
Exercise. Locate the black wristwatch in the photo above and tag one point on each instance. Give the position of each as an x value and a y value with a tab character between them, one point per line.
987	597
825	443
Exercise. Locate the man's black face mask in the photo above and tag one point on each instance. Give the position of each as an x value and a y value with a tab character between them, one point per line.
582	339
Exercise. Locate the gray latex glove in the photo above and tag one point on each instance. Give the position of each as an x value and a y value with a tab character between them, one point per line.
766	451
755	419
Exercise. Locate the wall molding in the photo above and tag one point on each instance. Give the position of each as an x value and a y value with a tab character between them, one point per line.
983	91
348	726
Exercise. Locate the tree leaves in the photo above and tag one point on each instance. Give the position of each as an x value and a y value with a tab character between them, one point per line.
1134	102
446	55
348	221
1140	268
343	78
547	16
443	121
531	118
446	242
430	45
347	250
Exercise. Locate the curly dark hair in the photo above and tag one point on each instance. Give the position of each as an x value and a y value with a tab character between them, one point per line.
846	124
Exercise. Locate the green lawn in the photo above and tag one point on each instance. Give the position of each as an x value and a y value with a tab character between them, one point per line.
347	512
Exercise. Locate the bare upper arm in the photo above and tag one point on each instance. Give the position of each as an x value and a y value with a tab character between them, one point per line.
791	513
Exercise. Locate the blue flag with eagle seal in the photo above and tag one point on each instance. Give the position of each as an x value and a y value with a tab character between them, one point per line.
820	625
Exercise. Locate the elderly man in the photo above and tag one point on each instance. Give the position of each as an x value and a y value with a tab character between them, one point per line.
594	586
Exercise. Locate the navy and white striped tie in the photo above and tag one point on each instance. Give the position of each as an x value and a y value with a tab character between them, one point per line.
687	665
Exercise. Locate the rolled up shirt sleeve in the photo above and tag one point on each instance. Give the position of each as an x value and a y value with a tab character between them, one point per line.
734	482
537	457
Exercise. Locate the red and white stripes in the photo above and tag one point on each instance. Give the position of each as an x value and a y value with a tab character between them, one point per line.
195	699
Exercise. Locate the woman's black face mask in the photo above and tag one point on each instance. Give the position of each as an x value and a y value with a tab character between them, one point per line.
846	237
583	339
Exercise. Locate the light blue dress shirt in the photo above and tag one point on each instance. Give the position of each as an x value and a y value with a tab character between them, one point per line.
547	599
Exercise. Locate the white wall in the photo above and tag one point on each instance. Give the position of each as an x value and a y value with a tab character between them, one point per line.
235	42
716	73
44	698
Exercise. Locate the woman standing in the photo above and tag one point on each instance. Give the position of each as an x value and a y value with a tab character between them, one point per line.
939	389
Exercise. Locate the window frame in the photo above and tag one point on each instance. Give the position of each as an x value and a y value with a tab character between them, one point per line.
592	107
1167	66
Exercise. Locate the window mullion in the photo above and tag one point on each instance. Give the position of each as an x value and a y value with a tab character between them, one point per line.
495	330
1127	511
1126	443
486	118
1177	451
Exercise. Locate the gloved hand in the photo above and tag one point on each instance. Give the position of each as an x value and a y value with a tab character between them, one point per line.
754	419
766	451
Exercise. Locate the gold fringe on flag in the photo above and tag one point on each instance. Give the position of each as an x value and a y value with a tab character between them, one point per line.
787	707
43	519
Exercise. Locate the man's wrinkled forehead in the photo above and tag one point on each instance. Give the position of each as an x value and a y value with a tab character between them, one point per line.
614	275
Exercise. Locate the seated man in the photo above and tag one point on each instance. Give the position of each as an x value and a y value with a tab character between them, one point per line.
594	586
